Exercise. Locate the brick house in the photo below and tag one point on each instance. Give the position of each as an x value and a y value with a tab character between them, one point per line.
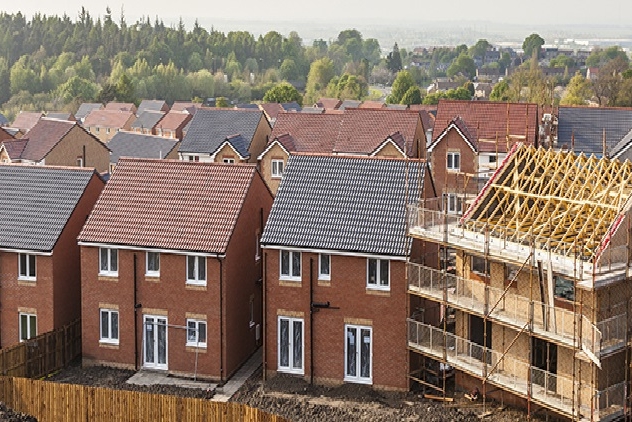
173	124
25	120
370	132
470	138
60	143
335	244
147	121
171	267
43	209
209	134
105	123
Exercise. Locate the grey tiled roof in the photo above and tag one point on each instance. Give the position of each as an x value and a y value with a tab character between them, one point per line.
3	120
36	202
130	144
584	127
352	204
85	109
147	119
240	144
209	128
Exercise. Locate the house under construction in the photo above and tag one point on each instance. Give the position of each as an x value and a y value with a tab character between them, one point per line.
531	298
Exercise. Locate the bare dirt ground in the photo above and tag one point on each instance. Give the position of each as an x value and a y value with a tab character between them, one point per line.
298	401
8	415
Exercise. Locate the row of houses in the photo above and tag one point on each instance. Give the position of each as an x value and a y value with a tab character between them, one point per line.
348	258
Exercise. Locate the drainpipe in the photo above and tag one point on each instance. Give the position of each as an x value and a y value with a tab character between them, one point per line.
265	310
136	308
311	321
84	157
221	321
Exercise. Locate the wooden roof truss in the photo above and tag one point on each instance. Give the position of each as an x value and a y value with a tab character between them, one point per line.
557	201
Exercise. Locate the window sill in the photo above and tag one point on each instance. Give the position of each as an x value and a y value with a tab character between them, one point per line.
291	371
27	282
378	288
198	287
276	177
359	381
378	292
102	277
153	274
108	345
288	283
195	349
287	278
152	278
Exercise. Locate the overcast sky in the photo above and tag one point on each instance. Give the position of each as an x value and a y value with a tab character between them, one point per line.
358	12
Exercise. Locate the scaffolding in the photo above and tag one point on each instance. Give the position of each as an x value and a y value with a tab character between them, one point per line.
548	214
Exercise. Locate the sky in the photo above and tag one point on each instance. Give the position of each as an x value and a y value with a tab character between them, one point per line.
349	12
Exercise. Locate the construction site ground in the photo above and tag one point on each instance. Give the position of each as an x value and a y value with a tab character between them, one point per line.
296	400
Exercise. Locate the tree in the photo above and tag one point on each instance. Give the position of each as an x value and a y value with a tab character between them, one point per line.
5	81
532	44
125	91
412	96
463	65
221	102
608	83
500	92
577	91
77	89
320	73
394	60
403	82
348	87
480	48
283	93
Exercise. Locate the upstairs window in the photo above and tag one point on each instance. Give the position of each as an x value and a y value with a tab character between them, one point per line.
27	266
196	270
153	264
290	265
378	274
324	266
277	168
108	261
453	161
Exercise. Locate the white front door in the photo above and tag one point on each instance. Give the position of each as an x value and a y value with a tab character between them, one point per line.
358	350
155	341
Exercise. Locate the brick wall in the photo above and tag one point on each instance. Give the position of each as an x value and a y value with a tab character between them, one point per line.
449	181
351	302
265	165
72	145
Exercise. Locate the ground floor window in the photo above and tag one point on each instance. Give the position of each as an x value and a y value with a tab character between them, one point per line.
290	345
28	326
109	326
358	354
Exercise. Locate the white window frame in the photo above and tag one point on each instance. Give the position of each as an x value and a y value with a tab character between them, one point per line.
109	271
453	203
79	161
451	163
322	275
195	342
25	273
30	319
377	285
291	368
110	337
358	379
197	281
228	160
148	272
277	167
289	275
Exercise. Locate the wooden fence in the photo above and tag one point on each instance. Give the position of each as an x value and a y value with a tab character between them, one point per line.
43	354
52	402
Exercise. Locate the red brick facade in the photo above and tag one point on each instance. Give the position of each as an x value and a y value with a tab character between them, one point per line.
351	302
453	181
54	296
232	283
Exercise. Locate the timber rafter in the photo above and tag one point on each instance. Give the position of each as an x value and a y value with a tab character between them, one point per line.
557	200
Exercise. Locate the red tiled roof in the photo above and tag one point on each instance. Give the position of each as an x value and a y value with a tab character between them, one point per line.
271	110
355	130
427	119
329	103
44	136
182	105
363	130
310	132
372	104
15	147
173	120
486	120
25	120
120	106
170	204
108	118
